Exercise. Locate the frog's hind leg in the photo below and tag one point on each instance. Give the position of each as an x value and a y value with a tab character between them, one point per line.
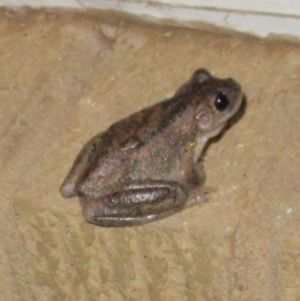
84	158
135	203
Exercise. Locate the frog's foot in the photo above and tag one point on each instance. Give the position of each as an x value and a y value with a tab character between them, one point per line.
135	203
199	195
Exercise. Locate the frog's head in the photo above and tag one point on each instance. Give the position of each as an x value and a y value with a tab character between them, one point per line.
217	100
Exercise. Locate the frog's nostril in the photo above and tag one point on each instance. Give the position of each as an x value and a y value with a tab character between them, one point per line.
221	102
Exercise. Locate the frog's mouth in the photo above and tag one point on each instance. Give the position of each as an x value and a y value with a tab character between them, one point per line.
203	137
214	132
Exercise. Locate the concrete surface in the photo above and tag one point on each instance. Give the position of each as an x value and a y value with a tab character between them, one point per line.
65	77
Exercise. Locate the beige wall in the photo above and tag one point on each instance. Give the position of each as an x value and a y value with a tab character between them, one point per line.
260	18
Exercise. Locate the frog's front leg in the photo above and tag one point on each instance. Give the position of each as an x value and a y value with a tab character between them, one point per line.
135	203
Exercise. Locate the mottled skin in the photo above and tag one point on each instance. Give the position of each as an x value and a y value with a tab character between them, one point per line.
145	167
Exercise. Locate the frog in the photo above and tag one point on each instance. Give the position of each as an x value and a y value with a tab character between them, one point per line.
149	165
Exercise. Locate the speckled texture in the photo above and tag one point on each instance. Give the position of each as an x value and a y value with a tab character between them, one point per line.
67	76
148	165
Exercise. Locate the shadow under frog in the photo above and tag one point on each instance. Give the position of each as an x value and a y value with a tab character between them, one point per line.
148	166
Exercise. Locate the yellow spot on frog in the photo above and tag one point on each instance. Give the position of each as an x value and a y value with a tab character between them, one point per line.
191	144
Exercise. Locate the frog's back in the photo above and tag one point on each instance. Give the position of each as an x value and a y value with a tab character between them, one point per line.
142	145
139	129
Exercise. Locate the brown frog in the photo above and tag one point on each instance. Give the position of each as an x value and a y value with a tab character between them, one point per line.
145	167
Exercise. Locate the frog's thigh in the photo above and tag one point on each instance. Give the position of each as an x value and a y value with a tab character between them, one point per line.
135	203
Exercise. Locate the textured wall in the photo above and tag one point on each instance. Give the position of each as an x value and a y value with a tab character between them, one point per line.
67	76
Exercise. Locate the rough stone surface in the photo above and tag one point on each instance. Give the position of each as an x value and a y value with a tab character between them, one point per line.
66	76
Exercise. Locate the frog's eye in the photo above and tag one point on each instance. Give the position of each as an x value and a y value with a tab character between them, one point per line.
221	102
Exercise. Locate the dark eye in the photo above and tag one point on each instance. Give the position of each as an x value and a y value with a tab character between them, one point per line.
221	102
